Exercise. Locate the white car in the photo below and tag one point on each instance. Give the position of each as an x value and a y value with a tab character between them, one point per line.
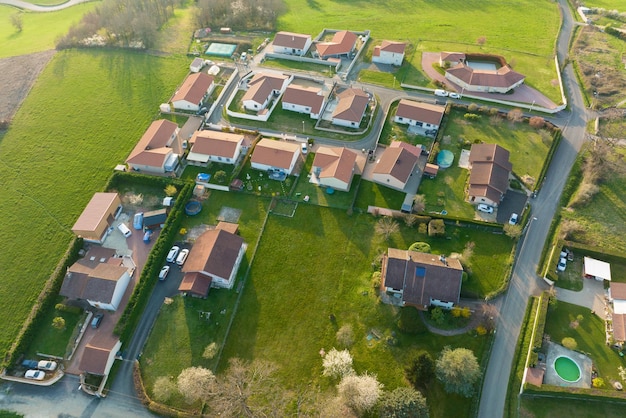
35	374
454	95
484	208
513	219
562	264
47	365
124	230
440	93
305	148
171	256
182	257
164	272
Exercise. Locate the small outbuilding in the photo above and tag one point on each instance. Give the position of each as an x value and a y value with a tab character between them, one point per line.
596	269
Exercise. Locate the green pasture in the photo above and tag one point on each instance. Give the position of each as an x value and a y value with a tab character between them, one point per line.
40	31
83	116
619	5
535	407
589	335
374	194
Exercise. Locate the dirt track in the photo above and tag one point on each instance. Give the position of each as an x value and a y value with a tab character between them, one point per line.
17	76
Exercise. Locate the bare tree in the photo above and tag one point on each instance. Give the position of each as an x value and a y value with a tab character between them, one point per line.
17	22
537	122
360	392
345	335
386	226
419	203
163	388
515	115
337	363
196	383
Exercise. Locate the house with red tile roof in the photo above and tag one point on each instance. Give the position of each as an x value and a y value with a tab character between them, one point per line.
291	43
451	58
481	73
350	108
423	115
99	354
420	279
396	165
389	52
94	222
489	178
272	155
309	100
100	278
158	150
214	146
192	92
342	44
213	261
333	167
262	87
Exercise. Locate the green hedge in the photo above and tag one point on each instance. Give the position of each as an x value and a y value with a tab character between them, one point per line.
540	323
129	319
556	140
583	249
575	393
45	301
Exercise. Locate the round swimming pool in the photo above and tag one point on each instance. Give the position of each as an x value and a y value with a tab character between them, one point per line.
445	158
567	369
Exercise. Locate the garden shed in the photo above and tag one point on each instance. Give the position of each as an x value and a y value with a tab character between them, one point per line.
596	269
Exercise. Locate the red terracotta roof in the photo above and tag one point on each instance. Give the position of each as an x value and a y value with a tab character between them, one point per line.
502	77
193	88
421	112
96	210
221	144
351	106
342	43
392	46
619	327
397	162
154	146
262	85
304	96
490	171
291	40
618	290
97	353
335	162
274	153
214	252
196	283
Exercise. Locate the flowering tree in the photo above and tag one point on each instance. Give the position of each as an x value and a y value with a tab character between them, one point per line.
337	363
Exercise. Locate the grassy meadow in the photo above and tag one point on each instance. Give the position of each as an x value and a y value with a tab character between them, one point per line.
619	5
83	116
41	30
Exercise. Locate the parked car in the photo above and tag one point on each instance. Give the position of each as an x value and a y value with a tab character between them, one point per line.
35	374
163	273
124	230
47	365
513	219
171	256
182	257
562	264
485	208
305	148
454	95
441	93
96	320
30	364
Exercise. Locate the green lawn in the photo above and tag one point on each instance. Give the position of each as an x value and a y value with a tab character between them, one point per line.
399	132
589	335
373	194
447	192
40	31
607	4
69	133
532	407
283	64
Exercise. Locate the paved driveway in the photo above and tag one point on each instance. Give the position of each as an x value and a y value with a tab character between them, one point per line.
592	296
513	202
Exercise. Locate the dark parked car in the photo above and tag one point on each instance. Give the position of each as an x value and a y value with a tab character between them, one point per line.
30	364
97	319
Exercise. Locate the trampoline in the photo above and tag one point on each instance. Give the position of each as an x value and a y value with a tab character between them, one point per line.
445	158
221	50
193	207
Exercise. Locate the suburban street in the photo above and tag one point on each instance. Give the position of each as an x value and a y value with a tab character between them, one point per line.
524	281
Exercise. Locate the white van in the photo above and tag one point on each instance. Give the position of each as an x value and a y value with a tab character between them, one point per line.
441	93
124	230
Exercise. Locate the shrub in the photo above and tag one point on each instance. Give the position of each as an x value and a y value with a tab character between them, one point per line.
537	122
569	342
337	363
61	307
376	279
473	107
437	315
597	382
471	116
422	247
515	115
436	228
480	330
345	335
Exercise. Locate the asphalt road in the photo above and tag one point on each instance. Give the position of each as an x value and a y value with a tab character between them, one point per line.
524	281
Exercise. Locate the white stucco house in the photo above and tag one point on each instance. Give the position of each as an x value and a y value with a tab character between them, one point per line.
423	115
214	146
291	43
272	155
194	90
308	100
262	87
351	106
333	167
389	52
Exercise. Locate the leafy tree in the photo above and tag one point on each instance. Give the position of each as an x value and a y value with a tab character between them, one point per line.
458	370
345	335
386	226
220	176
196	383
513	231
58	323
170	190
337	363
360	392
403	403
420	369
569	342
17	22
210	351
422	247
537	122
163	388
437	315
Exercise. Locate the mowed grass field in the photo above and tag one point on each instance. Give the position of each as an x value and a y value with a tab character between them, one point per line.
619	5
40	31
524	31
83	116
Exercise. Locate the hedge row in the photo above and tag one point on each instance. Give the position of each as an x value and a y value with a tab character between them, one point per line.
120	177
540	321
129	319
45	302
556	140
575	393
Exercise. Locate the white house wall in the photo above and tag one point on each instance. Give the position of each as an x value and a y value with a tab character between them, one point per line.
148	168
185	105
334	183
111	358
389	181
346	123
389	58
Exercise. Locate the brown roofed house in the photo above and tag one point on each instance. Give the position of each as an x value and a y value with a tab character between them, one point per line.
215	146
192	92
158	150
423	115
309	100
272	155
342	43
93	223
212	261
389	52
99	354
396	165
481	72
350	108
333	167
291	43
421	279
261	88
490	170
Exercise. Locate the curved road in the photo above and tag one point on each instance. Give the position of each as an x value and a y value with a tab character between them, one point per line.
37	8
524	281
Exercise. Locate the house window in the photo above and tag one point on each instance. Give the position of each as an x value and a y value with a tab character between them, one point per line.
400	118
353	124
219	158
